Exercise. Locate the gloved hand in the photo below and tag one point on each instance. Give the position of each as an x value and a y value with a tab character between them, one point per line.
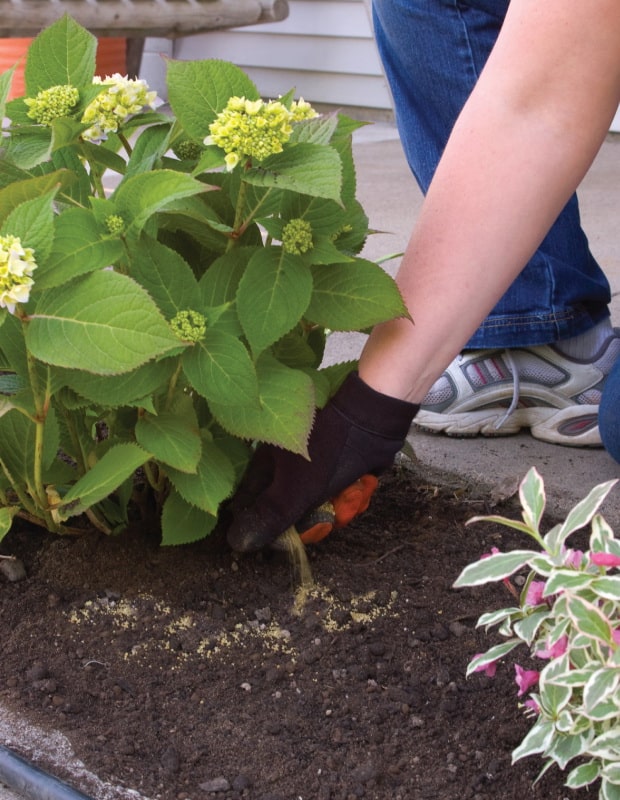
358	433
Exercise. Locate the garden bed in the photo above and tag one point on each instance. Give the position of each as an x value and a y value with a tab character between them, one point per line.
186	673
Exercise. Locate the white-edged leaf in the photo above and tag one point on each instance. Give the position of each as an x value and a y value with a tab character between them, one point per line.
495	567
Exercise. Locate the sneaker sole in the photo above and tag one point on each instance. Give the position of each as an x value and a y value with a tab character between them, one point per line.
575	426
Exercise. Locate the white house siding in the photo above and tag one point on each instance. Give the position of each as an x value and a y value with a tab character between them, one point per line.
324	50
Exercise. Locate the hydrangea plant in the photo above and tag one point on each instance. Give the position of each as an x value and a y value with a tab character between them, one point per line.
167	281
568	616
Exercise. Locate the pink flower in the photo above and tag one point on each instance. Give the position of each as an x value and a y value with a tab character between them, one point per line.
534	596
573	558
533	705
489	669
557	649
525	678
494	550
605	559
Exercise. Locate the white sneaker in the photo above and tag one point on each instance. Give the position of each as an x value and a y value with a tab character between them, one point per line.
499	392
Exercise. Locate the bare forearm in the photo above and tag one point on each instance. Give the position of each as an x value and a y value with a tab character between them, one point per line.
521	146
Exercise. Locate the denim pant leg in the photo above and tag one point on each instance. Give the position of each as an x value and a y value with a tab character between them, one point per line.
609	413
433	52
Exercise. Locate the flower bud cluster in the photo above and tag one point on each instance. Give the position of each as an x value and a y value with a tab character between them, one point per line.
297	237
121	98
189	326
115	224
254	128
16	267
49	104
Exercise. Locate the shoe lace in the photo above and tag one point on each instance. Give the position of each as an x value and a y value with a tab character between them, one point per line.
515	389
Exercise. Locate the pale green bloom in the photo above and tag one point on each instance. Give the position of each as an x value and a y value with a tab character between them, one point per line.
115	224
254	128
49	104
297	237
300	109
16	267
122	98
190	326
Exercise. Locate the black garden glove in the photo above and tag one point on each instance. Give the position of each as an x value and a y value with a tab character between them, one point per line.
358	433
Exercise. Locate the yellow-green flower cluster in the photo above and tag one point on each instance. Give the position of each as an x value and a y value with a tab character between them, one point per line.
254	128
297	237
121	98
16	267
115	224
300	109
190	326
49	104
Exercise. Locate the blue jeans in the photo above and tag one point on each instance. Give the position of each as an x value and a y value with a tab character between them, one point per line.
433	52
609	413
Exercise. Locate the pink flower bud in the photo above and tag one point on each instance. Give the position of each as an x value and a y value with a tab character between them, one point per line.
525	678
535	592
605	559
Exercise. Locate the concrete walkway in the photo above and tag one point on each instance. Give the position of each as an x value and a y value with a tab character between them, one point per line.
392	201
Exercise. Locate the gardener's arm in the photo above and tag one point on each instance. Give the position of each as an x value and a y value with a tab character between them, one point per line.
522	144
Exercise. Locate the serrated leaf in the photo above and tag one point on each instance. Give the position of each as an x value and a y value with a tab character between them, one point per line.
32	221
26	187
494	568
18	436
310	169
213	481
220	369
107	324
118	464
140	196
78	248
272	296
183	523
171	438
199	90
63	53
286	409
353	296
165	275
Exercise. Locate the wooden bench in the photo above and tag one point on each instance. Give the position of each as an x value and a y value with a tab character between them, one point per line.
138	18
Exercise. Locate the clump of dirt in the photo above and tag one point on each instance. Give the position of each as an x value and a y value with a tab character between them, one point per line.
188	673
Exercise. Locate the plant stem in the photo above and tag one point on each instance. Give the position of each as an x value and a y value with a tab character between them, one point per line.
238	223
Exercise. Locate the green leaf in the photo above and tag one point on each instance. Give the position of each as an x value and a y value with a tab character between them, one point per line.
113	391
491	655
273	294
33	222
171	438
64	53
494	568
148	149
353	296
199	90
537	740
583	512
6	79
607	586
106	324
6	519
220	369
183	523
17	445
213	481
532	495
118	464
140	196
285	413
310	169
30	149
564	748
601	686
165	275
78	248
27	188
607	745
589	620
527	627
583	775
566	580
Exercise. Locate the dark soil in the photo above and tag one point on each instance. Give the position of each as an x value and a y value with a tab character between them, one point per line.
185	673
